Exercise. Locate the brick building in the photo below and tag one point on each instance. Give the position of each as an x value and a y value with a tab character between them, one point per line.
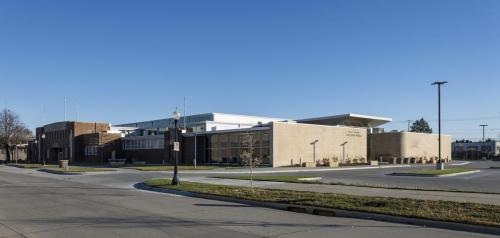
74	141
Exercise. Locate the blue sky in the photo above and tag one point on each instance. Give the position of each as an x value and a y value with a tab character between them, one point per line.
135	60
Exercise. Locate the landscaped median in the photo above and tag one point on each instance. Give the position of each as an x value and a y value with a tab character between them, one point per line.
276	178
169	167
52	168
32	166
317	180
437	172
468	213
75	170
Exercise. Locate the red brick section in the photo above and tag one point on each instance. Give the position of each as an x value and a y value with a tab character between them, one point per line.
60	136
106	143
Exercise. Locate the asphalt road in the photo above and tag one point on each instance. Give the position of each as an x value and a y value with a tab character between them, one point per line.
485	181
34	204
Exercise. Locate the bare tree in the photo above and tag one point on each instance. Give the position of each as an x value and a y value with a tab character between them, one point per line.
12	131
248	158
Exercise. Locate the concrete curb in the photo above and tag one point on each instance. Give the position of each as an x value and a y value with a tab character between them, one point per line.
435	176
59	172
335	212
462	173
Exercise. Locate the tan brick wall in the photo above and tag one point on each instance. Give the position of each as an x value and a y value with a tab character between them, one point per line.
408	145
292	141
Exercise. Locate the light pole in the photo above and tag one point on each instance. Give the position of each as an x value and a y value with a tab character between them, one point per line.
483	126
343	151
176	117
314	150
36	149
42	151
440	165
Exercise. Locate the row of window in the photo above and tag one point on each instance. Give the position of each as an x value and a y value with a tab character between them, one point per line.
164	123
57	135
140	143
234	140
228	148
484	148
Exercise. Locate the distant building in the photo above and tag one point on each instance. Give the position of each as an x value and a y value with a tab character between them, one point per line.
476	150
18	153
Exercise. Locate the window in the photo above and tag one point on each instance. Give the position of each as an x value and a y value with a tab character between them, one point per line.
90	150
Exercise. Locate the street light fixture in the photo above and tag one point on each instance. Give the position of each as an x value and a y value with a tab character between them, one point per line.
440	165
42	151
343	151
36	148
176	116
314	150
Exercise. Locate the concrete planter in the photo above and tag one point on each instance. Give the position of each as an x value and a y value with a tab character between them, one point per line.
373	162
334	164
309	164
63	164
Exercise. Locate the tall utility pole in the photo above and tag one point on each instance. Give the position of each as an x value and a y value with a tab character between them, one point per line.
64	108
76	113
409	121
483	130
440	165
184	118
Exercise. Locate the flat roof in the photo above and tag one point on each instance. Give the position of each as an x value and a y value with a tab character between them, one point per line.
349	119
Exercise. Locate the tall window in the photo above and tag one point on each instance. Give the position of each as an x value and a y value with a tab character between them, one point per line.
90	150
227	148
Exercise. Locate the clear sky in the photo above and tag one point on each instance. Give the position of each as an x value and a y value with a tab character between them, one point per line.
135	60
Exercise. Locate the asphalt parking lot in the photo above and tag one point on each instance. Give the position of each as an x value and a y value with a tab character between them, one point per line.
485	181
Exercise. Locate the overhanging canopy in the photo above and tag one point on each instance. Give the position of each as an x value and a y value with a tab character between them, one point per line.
347	120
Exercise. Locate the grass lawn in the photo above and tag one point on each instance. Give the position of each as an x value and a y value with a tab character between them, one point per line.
470	213
435	172
273	178
169	167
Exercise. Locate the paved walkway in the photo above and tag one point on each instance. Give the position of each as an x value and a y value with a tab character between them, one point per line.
493	199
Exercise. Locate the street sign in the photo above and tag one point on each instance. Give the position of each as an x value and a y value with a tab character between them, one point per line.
176	146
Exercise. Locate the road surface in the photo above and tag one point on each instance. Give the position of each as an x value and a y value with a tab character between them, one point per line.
33	204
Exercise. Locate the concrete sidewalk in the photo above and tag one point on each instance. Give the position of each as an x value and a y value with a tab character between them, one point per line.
492	199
